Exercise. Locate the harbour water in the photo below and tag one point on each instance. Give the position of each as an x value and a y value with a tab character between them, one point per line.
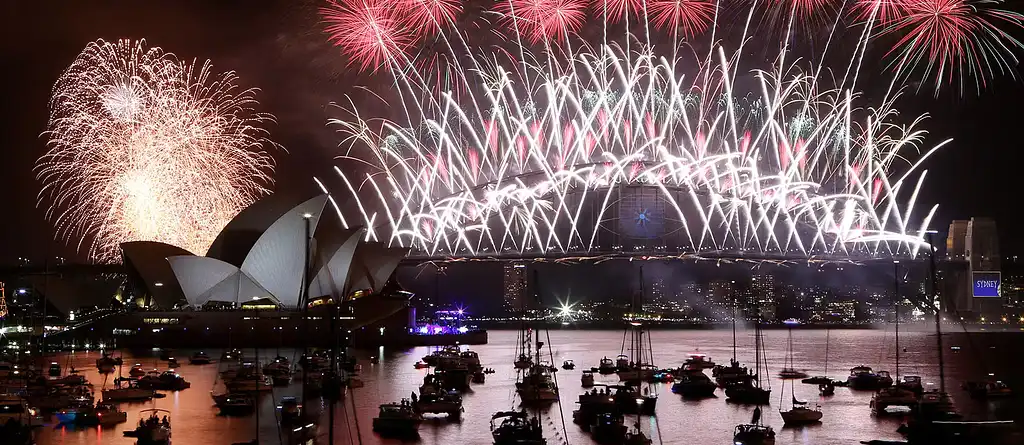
847	416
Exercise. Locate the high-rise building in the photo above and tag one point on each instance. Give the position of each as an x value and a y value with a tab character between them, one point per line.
956	241
982	252
514	290
763	286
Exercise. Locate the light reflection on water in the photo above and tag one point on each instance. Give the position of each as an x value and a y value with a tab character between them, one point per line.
847	416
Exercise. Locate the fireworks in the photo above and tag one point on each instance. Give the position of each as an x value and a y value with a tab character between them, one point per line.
145	147
954	39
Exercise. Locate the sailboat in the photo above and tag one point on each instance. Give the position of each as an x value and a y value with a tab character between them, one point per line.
640	368
519	427
734	374
895	395
754	433
788	372
751	391
799	413
826	386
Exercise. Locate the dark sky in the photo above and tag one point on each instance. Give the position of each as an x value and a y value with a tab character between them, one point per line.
278	46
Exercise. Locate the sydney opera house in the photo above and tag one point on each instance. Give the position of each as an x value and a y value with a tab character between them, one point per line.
264	281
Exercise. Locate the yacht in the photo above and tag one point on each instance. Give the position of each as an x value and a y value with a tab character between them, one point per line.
444	402
892	396
126	389
397	419
15	411
608	428
694	384
862	377
234	403
516	428
200	358
152	429
538	385
697	360
606	366
587	379
167	381
734	374
754	433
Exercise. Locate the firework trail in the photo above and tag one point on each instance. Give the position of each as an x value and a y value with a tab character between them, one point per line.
143	147
576	147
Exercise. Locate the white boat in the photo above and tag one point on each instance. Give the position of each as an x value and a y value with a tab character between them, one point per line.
698	361
800	414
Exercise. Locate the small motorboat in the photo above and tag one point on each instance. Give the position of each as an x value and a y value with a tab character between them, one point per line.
104	414
167	381
516	428
827	389
698	361
137	370
54	370
816	380
568	364
420	365
106	363
234	403
374	360
606	366
127	389
397	419
172	363
754	433
587	379
200	358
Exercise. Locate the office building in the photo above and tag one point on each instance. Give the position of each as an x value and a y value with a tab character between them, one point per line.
514	290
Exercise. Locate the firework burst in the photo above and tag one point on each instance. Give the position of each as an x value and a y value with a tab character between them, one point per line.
543	20
956	40
689	17
143	147
372	32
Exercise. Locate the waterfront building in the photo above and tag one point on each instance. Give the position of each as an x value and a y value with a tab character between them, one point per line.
514	287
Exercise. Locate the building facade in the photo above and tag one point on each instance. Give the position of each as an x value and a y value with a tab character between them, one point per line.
514	287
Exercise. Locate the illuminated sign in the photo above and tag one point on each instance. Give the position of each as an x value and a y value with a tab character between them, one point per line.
987	284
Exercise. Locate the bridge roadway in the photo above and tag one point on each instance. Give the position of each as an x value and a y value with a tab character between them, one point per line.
414	260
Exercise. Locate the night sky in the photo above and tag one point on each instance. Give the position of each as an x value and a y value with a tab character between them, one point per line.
278	47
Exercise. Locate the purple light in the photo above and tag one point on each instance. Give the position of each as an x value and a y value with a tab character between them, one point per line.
424	329
438	329
791	322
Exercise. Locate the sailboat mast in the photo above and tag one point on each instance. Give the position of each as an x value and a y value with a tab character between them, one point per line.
734	328
827	332
896	297
938	314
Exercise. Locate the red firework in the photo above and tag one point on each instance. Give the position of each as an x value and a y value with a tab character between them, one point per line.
956	38
371	32
691	17
428	16
541	20
615	10
804	11
888	11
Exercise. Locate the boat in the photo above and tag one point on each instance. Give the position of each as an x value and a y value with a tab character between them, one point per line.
234	403
126	390
137	371
863	378
892	396
825	383
251	382
754	433
734	374
522	362
478	377
608	428
606	366
172	363
640	369
200	358
444	402
14	411
538	385
827	389
568	364
106	364
103	414
54	370
788	371
471	359
516	428
398	419
420	365
751	391
280	371
989	389
693	384
623	399
800	414
587	379
697	360
911	383
167	381
152	429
